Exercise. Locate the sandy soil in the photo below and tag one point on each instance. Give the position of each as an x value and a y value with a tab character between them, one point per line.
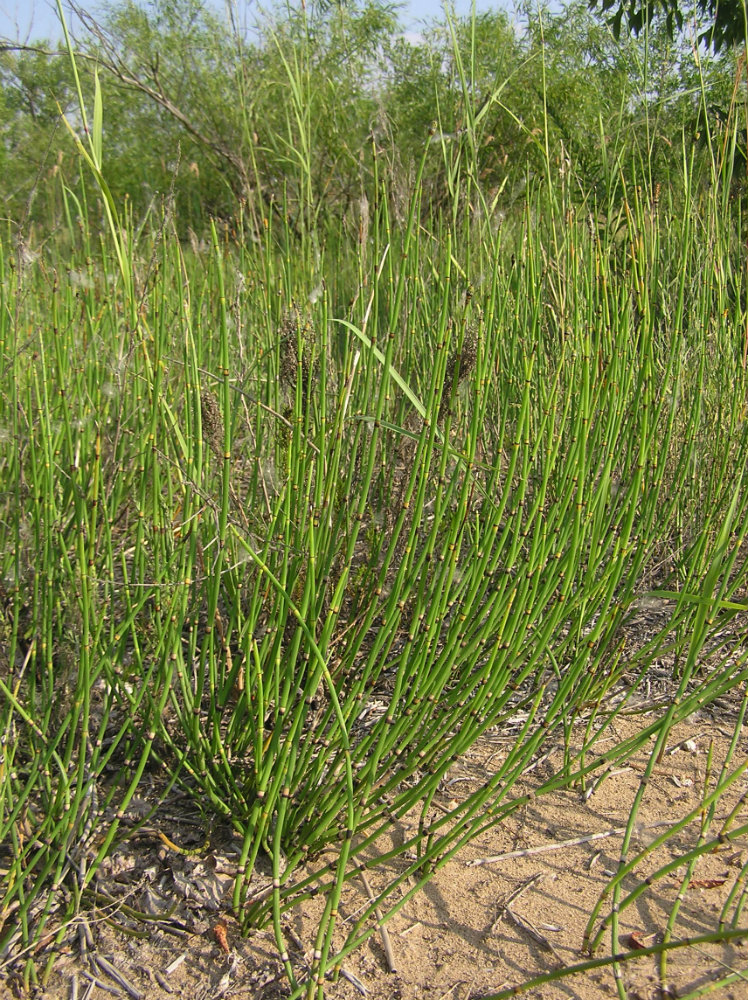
475	929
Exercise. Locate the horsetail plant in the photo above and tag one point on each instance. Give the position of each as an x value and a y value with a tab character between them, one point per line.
302	552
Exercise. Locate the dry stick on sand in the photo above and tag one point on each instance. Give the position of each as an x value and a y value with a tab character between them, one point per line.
512	897
388	952
114	973
525	925
354	981
527	851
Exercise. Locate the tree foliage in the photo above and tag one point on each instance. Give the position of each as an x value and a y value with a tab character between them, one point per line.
725	20
303	115
34	87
